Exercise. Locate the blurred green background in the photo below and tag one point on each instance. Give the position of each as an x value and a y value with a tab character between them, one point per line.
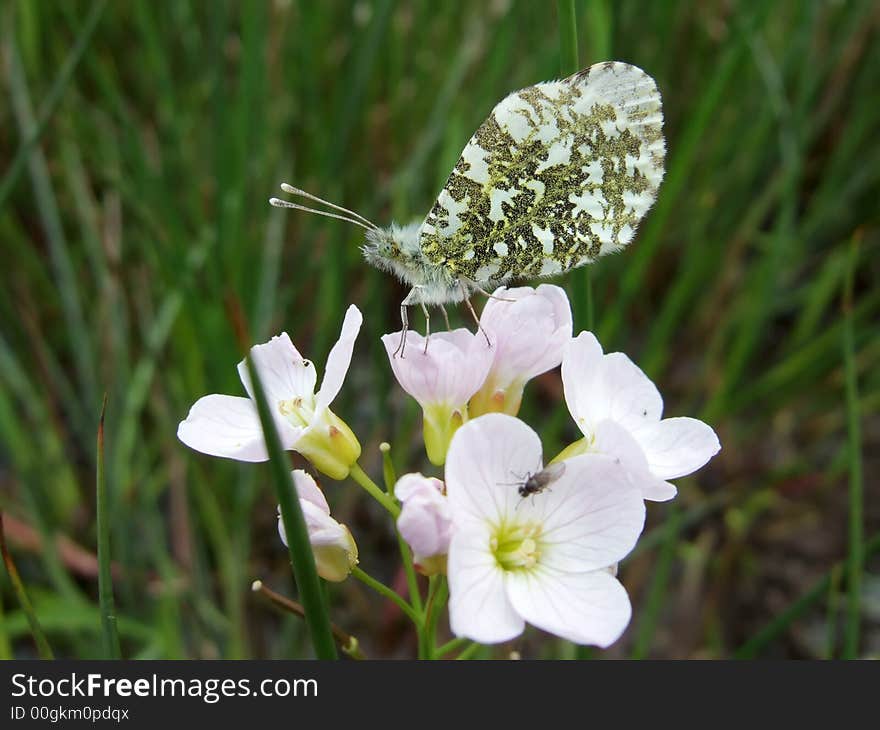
139	143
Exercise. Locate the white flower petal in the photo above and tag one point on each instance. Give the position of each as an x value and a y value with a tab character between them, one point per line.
488	457
339	359
610	386
478	605
529	333
451	370
676	447
581	373
614	440
307	489
224	425
283	371
587	608
592	514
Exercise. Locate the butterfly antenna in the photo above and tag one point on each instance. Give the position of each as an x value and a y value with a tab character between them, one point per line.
278	203
290	189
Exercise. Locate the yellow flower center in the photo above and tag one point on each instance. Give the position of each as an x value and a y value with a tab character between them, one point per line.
298	411
516	546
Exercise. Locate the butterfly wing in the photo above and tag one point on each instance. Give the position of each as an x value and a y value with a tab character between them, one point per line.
558	175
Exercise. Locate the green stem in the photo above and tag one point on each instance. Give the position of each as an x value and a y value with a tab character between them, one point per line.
388	473
412	581
390	594
374	490
568	37
105	577
450	646
43	647
302	559
469	652
436	601
856	558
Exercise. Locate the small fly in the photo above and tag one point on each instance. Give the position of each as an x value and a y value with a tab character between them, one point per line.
538	482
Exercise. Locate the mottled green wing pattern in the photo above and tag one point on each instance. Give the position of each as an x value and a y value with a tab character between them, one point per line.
558	175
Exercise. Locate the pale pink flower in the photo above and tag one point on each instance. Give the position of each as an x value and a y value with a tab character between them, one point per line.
442	378
424	520
528	336
542	559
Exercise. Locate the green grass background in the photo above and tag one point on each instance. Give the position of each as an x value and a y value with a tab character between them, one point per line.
139	143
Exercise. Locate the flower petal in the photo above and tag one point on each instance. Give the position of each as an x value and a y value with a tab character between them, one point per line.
592	514
478	605
414	483
529	333
339	359
487	458
451	370
614	440
587	608
676	447
606	386
425	524
283	371
224	425
307	489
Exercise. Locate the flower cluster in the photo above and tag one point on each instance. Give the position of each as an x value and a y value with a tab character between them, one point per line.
519	539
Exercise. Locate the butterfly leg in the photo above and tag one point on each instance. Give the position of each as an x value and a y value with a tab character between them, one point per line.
477	320
410	299
477	288
445	318
427	326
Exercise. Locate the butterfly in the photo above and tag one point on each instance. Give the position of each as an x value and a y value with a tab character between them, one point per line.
559	174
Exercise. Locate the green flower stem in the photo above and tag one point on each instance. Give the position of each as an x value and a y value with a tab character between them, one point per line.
412	582
468	651
105	578
449	646
302	559
437	595
391	595
388	473
374	490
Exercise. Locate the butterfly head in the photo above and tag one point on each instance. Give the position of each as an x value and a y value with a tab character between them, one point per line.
397	249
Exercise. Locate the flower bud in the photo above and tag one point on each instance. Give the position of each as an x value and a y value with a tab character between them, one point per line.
424	521
333	546
330	445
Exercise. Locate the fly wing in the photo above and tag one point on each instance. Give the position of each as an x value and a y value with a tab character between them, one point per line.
558	175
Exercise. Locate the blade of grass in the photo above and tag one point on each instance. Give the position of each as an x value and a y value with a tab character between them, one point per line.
105	578
59	250
52	98
302	559
36	630
753	646
856	558
659	584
